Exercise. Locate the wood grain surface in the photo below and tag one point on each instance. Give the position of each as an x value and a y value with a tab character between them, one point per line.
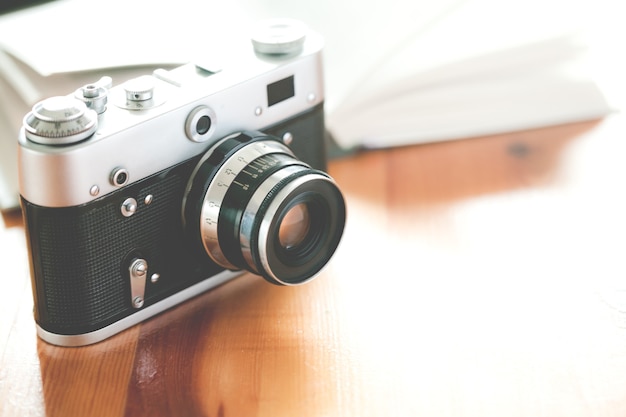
480	277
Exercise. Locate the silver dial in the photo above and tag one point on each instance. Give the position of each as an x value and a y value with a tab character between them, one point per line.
279	36
139	94
60	121
95	95
139	89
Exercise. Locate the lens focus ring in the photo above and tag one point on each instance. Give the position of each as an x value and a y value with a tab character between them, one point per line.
221	181
248	162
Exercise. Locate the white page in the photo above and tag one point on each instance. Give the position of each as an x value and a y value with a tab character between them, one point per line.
76	35
479	28
500	55
371	46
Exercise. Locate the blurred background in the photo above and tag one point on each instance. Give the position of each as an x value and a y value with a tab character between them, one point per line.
397	72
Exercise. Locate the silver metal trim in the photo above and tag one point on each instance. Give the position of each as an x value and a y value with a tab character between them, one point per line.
193	119
60	121
115	175
272	210
140	88
95	95
252	209
52	176
206	156
138	316
218	187
128	207
279	36
137	272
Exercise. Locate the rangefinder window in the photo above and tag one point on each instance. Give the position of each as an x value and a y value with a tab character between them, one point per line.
280	91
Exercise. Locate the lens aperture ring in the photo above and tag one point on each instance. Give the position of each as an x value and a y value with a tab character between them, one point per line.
217	189
248	229
255	176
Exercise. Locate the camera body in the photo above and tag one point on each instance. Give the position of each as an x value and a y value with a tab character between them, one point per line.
157	202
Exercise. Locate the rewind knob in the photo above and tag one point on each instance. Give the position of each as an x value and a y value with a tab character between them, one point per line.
62	120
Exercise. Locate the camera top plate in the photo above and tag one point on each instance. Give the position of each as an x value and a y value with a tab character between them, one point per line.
151	133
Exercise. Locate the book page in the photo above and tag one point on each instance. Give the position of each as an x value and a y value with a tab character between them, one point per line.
489	66
79	35
397	54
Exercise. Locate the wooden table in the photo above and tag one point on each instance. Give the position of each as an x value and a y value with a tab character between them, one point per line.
481	277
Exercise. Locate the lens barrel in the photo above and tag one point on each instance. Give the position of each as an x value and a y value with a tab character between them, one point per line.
252	205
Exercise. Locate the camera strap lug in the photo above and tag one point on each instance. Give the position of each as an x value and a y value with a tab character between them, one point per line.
138	270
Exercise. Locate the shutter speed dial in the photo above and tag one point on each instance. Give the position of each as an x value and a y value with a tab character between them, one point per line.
139	94
139	89
60	121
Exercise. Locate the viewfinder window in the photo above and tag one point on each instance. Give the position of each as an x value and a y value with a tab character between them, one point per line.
280	91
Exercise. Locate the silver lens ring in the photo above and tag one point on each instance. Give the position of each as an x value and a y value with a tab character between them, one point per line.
252	209
291	266
219	186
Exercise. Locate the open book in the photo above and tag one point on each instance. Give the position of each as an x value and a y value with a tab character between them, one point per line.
397	72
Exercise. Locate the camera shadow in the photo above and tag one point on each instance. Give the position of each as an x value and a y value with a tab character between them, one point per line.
179	353
212	355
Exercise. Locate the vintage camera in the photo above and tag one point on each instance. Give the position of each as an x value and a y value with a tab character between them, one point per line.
140	196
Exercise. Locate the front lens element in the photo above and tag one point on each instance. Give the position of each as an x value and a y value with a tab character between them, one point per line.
294	226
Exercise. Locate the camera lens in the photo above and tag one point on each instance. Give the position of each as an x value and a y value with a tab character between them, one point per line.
251	204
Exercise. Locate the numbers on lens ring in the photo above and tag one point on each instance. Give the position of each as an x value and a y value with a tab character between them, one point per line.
209	221
251	174
244	186
264	163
